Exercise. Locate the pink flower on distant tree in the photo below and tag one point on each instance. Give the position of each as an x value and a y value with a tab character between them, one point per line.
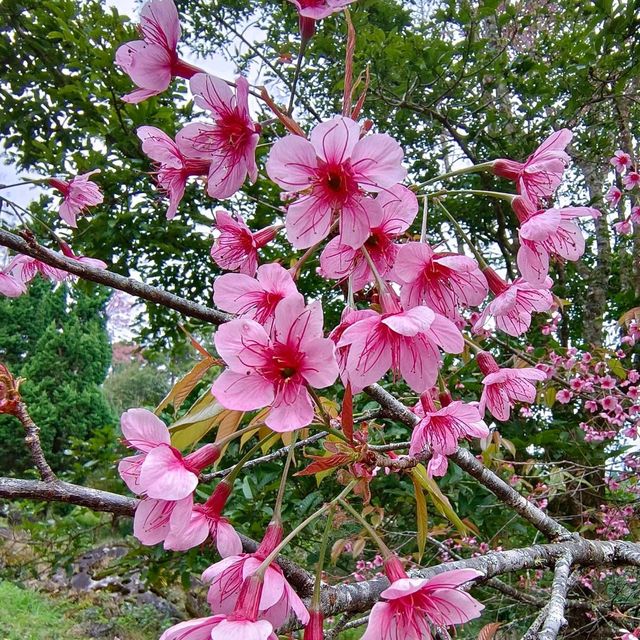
631	180
78	194
504	387
173	166
623	227
621	161
406	342
236	248
613	196
229	145
442	281
274	369
564	396
160	471
254	298
152	62
514	303
540	175
397	210
331	173
440	430
635	215
546	233
413	606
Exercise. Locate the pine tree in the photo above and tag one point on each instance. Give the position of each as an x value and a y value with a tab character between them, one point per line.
58	342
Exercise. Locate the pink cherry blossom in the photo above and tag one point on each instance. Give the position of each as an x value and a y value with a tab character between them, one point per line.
349	316
152	62
24	269
413	606
623	227
236	248
398	209
631	180
546	233
10	286
503	387
514	303
440	430
254	298
406	342
635	215
621	161
318	9
278	599
154	518
613	196
442	281
78	194
564	396
90	262
274	369
173	165
540	175
205	521
160	471
229	145
331	174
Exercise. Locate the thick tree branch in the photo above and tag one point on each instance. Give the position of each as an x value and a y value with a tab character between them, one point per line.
555	619
361	596
466	461
113	280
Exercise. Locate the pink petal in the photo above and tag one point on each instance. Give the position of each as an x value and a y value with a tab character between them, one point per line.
290	411
187	530
148	65
230	291
320	368
226	175
228	541
242	344
336	260
242	630
412	259
377	159
296	323
159	23
533	262
140	95
355	225
419	362
129	471
160	147
335	139
242	391
308	220
455	607
163	475
453	578
151	523
197	140
196	629
411	322
379	620
211	93
10	286
446	334
143	430
400	208
292	163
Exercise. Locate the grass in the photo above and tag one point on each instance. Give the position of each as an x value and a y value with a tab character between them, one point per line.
27	615
31	615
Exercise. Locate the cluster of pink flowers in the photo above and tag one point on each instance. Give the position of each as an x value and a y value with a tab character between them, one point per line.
628	177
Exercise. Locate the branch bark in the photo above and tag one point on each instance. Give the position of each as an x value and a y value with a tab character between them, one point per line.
555	619
32	439
113	280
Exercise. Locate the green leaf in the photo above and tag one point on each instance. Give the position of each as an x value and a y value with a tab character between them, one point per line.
421	516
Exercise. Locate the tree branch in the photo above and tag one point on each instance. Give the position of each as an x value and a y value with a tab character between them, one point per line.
555	619
32	438
466	461
113	280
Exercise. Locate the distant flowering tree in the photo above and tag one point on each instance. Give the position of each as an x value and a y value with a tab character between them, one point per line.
415	316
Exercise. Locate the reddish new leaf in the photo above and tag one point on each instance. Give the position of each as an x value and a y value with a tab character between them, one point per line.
347	413
324	463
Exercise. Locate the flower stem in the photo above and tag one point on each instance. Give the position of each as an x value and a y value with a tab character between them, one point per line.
425	210
305	523
23	183
463	235
500	195
277	509
324	415
315	599
386	552
474	168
